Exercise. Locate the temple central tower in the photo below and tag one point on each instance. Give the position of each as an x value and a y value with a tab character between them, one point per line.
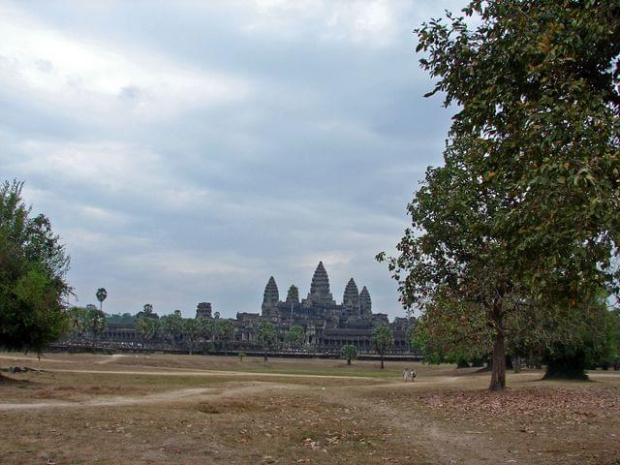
319	289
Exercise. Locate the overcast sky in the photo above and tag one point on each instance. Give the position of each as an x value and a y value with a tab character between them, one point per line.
187	151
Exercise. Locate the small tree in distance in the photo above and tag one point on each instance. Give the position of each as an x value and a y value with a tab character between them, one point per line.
190	330
348	352
382	340
267	336
295	337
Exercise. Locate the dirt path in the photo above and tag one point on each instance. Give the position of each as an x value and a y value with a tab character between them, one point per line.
112	358
181	372
178	395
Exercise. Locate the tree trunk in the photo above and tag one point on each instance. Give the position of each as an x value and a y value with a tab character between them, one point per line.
349	361
498	361
498	371
382	367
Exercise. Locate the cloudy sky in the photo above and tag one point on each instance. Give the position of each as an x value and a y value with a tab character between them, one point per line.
186	151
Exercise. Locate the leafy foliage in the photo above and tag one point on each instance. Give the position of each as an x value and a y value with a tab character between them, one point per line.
148	328
453	332
33	269
190	331
537	86
172	327
121	318
593	344
224	330
295	337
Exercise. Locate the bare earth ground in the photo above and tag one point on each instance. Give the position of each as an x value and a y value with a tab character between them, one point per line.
164	409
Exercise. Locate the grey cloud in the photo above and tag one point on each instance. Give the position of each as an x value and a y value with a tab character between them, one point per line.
130	94
318	161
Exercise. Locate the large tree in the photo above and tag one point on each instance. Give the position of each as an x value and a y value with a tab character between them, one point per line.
33	276
525	209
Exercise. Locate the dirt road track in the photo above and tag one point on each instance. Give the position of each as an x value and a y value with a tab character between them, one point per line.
176	396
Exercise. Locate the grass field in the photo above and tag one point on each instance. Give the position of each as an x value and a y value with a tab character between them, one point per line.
162	409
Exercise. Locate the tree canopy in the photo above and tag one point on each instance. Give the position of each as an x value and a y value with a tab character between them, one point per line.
518	231
33	275
348	352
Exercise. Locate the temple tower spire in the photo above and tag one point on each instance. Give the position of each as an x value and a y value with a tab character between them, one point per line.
365	303
319	289
271	297
351	299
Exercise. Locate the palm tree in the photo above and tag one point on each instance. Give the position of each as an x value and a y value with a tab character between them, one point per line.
101	296
96	322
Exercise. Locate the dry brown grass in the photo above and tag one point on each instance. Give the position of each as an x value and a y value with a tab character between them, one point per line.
200	410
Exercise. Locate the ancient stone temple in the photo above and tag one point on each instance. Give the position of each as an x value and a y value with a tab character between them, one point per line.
327	324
